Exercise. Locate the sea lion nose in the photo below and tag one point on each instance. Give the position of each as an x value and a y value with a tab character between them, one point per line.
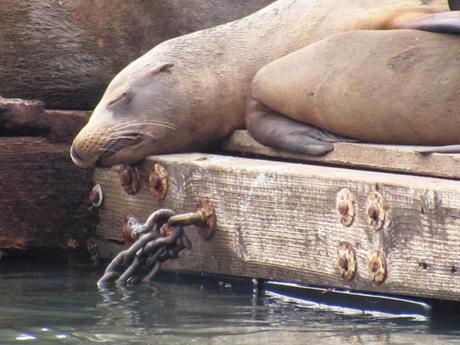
75	156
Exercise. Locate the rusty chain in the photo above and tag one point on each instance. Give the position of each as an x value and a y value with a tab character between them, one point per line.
159	239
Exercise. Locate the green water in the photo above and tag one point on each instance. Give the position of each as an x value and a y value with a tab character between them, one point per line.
61	306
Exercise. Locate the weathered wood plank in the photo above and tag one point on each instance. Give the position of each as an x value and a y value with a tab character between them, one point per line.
394	158
279	220
30	118
43	196
64	125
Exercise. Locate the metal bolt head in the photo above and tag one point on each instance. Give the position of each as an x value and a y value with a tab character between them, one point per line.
373	213
346	260
166	230
96	196
207	211
376	210
126	230
346	207
130	178
343	208
158	181
378	266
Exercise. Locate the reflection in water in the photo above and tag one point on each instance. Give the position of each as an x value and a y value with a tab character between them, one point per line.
57	306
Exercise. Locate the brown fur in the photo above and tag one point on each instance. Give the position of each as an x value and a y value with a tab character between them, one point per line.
203	96
397	86
65	52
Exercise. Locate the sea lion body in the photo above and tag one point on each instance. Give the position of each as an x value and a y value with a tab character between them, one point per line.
202	97
66	52
395	86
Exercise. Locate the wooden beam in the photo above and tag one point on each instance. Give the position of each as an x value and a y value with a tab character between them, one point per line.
64	125
281	221
20	117
43	196
395	158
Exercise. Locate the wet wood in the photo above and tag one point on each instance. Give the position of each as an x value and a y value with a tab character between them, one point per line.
20	117
64	125
396	158
280	221
43	199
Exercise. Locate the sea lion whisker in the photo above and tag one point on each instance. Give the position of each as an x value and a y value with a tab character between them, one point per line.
152	123
134	124
122	125
104	150
127	134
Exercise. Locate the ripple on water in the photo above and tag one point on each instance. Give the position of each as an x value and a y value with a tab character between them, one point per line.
58	306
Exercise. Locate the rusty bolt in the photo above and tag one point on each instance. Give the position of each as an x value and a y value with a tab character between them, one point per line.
346	207
373	213
96	196
166	229
130	178
126	231
343	207
158	181
204	218
378	266
376	210
346	261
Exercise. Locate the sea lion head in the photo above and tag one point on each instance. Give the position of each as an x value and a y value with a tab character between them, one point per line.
132	120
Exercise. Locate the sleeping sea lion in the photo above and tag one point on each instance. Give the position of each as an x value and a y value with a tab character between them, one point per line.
189	92
391	87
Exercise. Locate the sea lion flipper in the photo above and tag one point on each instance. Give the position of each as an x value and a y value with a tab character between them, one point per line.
275	130
439	149
442	22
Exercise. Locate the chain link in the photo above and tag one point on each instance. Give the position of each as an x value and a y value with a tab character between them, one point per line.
159	239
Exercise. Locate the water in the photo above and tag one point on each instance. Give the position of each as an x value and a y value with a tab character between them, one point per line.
55	305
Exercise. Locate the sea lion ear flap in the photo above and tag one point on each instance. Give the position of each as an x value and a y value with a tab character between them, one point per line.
443	22
454	5
161	68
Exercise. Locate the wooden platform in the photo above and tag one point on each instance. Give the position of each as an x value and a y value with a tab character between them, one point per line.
287	220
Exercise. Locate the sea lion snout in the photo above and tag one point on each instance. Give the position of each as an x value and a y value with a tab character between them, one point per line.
103	147
131	120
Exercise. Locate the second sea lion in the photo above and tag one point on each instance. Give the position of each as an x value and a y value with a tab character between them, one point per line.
390	87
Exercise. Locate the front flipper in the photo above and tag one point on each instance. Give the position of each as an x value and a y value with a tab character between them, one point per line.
442	22
275	130
439	149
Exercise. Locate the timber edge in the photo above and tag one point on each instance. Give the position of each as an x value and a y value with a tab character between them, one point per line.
394	158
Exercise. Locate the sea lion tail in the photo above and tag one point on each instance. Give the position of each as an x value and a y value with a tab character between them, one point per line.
439	149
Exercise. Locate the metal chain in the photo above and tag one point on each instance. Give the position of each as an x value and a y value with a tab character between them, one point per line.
160	238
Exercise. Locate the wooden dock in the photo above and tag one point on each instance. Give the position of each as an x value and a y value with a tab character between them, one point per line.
364	217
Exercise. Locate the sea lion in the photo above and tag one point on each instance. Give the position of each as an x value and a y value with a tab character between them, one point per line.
65	52
391	87
191	91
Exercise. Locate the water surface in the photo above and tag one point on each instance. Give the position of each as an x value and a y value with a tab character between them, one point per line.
55	305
